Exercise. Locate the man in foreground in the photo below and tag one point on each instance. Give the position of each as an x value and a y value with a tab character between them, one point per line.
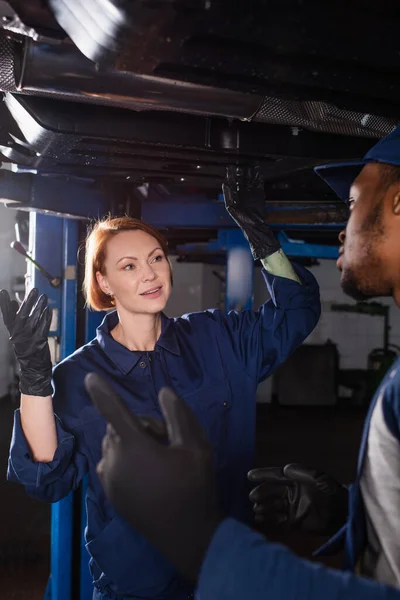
311	501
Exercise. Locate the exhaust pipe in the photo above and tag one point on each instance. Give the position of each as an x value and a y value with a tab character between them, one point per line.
61	71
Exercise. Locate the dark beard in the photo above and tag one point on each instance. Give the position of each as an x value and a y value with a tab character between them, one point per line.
368	283
351	287
362	290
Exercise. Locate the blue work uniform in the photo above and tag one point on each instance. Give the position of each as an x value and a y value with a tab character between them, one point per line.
370	537
214	361
242	565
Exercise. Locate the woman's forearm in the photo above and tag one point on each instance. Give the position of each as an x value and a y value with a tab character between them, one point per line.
38	424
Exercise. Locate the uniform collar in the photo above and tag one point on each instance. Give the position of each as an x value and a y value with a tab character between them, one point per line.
125	360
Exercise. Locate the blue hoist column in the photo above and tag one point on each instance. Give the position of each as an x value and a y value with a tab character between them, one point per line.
53	243
239	269
92	321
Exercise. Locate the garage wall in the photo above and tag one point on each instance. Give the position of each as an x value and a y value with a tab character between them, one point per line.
195	288
356	335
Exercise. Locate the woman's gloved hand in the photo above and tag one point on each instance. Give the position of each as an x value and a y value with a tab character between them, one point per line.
297	497
244	196
28	326
165	489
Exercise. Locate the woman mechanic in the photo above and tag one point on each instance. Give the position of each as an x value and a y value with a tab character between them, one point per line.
213	360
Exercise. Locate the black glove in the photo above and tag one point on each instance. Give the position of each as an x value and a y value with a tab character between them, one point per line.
299	498
166	492
28	327
244	196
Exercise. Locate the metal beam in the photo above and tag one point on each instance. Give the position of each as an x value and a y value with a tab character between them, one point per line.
176	211
77	198
232	238
60	196
299	248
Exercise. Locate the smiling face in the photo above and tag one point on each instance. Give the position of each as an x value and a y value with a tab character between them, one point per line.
136	273
370	251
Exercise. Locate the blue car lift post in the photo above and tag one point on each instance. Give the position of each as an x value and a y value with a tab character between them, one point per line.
60	235
54	244
46	233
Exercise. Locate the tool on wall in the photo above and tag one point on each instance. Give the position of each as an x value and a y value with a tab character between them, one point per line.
18	247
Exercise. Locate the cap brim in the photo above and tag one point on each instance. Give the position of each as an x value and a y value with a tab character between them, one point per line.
340	176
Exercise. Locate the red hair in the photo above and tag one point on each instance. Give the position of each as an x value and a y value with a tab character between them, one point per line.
96	244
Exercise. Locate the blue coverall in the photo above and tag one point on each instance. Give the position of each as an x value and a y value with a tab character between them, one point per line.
214	361
242	565
352	537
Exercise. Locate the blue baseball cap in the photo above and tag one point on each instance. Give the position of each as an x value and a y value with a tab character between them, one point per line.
340	176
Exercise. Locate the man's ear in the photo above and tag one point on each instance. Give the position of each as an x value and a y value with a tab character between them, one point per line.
396	203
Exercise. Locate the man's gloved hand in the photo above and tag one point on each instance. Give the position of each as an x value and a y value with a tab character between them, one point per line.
244	196
28	326
167	492
299	498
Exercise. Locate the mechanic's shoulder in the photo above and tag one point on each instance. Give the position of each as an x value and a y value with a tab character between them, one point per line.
389	394
77	361
204	318
390	385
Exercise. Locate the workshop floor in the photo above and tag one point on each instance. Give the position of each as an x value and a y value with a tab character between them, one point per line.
26	582
325	438
24	530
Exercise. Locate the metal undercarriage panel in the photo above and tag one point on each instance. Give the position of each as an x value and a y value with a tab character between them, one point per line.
167	93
